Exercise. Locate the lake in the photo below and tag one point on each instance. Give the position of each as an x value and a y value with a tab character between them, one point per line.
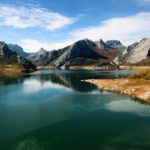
54	110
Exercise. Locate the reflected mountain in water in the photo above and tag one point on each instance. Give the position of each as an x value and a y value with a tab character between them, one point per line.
69	81
53	110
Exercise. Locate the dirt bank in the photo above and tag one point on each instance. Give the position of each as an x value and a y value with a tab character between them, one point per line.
16	70
135	67
139	88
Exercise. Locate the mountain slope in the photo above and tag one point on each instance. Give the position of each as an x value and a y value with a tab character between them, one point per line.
135	53
19	50
81	53
139	53
82	48
43	57
8	57
102	45
115	44
110	45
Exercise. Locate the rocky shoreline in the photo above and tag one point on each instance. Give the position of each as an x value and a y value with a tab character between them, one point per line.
137	88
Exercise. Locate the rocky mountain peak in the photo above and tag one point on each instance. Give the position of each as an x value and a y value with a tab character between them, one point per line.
82	48
113	43
84	43
5	51
41	51
144	40
18	49
102	45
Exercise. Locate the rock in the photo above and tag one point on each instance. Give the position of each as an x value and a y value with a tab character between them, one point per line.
18	49
8	57
82	48
5	52
83	52
135	53
115	44
110	45
44	57
28	66
102	45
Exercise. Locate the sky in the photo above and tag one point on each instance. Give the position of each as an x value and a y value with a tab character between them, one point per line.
54	24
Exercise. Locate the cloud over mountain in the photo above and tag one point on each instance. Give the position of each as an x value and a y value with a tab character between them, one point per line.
30	16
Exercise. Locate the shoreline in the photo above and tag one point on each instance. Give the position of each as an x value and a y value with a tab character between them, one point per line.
137	88
13	70
135	67
99	67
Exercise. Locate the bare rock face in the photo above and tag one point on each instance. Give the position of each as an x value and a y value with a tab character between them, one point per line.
135	53
115	44
44	57
110	45
102	45
8	57
139	52
119	60
38	56
82	52
82	48
18	49
5	51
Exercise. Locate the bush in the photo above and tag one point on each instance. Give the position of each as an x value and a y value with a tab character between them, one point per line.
141	75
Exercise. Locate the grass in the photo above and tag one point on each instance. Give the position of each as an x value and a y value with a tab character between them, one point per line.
11	66
141	75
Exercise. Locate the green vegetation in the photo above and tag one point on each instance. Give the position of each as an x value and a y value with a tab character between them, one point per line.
141	75
11	65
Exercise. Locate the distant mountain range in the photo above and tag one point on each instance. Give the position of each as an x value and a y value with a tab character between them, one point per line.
84	53
81	53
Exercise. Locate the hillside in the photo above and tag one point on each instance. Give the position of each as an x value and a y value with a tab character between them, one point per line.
136	54
81	53
10	59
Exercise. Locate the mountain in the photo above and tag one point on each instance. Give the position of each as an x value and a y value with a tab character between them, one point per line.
110	45
18	49
5	52
102	45
115	44
82	48
44	57
81	53
39	56
8	57
135	53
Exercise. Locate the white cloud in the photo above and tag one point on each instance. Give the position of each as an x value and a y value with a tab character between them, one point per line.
126	29
33	86
131	107
32	45
29	16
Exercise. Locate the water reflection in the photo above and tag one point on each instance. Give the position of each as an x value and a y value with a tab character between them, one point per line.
129	107
57	111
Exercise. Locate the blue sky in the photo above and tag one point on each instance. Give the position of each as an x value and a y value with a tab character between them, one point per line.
54	24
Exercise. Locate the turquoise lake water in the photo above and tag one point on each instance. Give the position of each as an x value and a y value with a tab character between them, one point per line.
54	110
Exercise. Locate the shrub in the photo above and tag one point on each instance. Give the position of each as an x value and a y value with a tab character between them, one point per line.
141	75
